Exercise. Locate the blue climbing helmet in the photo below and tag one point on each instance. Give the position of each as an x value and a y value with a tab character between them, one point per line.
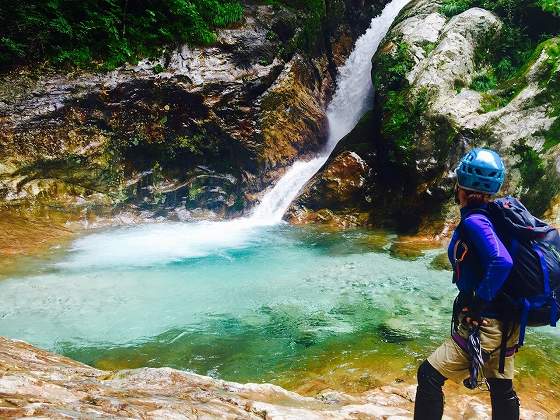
481	170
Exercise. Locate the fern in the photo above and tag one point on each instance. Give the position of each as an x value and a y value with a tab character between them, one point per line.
106	33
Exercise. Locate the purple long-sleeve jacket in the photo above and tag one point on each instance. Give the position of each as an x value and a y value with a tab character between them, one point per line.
486	264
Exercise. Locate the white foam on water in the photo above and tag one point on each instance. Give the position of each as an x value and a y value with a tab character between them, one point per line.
158	243
162	243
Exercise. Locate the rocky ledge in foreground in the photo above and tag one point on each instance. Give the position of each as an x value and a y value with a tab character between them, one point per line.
37	383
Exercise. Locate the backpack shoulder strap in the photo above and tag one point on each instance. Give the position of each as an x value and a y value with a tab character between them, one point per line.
469	213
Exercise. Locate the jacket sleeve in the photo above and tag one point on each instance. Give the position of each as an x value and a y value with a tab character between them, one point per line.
494	257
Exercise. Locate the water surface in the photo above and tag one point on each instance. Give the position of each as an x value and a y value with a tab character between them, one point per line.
302	307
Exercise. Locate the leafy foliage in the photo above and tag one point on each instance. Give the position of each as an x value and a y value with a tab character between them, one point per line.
539	181
315	11
391	69
519	36
491	103
484	81
313	15
551	6
402	116
454	7
503	61
530	164
106	33
509	9
552	137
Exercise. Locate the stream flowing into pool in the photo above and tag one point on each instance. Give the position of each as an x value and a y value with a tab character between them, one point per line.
252	299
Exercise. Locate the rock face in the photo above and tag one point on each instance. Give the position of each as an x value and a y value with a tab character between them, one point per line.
201	128
426	114
339	187
36	383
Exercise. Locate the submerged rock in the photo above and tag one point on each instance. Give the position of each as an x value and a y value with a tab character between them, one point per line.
441	262
395	331
36	383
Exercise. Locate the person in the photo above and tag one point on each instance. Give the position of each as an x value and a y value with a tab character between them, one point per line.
481	265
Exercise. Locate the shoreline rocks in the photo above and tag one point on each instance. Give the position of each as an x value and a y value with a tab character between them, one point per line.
36	383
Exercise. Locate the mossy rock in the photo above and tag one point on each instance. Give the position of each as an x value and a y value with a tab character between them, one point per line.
441	262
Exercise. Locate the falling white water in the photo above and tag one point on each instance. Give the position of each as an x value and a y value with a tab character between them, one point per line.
166	242
350	101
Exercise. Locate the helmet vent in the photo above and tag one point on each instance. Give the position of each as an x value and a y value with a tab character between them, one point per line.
481	170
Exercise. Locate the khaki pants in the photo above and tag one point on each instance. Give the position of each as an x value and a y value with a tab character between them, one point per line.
453	362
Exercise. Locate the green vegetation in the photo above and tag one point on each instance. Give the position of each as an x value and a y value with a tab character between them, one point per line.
510	9
551	6
539	181
552	137
402	113
428	47
508	89
391	69
491	103
103	34
106	33
552	82
504	61
315	12
195	192
530	165
312	16
159	143
485	81
454	7
193	144
402	117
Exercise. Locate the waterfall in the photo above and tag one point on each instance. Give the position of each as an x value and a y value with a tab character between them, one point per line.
162	243
350	101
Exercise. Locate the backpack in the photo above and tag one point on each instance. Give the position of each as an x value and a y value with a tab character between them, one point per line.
533	286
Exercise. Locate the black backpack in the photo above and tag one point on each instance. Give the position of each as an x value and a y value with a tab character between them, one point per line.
533	285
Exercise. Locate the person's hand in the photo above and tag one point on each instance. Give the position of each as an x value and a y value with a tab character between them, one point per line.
473	318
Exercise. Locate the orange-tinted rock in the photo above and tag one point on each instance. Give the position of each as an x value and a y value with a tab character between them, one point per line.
36	383
293	118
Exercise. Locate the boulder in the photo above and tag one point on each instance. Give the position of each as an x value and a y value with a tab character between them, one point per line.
426	114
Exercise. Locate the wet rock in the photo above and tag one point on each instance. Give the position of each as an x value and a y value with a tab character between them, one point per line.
245	107
340	193
36	383
293	119
395	331
412	247
338	183
425	116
